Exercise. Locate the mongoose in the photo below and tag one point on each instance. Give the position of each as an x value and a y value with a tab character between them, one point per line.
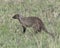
34	22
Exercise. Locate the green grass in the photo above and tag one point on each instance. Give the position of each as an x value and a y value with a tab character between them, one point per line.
11	35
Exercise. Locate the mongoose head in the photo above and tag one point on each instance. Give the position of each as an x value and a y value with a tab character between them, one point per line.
16	16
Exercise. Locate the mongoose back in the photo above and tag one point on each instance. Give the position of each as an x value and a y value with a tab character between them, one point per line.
34	22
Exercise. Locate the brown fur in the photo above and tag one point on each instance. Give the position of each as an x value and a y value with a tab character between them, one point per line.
33	22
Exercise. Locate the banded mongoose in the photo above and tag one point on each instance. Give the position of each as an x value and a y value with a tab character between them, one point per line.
34	22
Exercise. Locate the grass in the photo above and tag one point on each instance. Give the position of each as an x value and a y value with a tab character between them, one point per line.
11	35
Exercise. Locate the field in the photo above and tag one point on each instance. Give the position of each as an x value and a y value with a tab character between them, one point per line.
11	35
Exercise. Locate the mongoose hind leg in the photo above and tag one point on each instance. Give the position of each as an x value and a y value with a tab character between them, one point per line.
37	29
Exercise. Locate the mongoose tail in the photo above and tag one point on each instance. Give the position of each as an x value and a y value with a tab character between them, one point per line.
51	34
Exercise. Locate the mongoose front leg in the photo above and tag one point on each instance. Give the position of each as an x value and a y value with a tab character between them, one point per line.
24	29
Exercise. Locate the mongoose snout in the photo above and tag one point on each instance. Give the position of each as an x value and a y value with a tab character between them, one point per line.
16	16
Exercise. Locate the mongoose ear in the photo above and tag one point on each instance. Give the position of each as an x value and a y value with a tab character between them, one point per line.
17	15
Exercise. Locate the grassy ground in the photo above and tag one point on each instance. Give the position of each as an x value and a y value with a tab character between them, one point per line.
11	35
